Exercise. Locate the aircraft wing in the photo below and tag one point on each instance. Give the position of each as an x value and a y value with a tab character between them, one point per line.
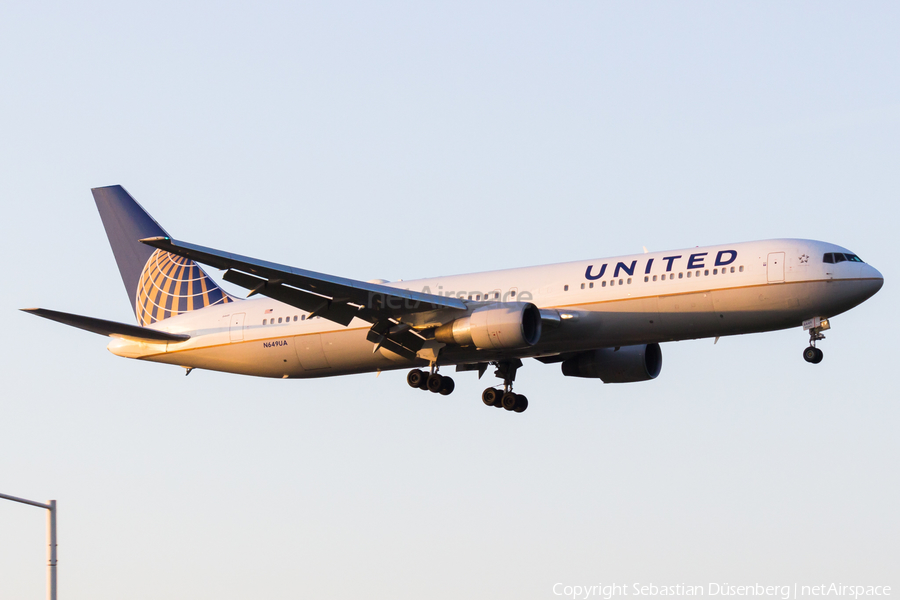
337	299
109	328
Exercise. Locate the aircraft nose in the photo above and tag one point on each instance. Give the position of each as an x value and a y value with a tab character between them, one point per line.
872	280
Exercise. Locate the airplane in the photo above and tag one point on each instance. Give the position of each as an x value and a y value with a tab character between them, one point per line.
601	318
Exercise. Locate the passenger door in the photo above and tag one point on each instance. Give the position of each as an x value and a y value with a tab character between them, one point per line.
237	327
775	267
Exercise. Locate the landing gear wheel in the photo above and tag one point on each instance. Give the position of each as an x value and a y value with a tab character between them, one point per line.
811	353
415	378
819	356
509	401
447	386
491	397
521	404
434	383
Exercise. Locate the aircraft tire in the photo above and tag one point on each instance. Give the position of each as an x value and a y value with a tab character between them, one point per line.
819	356
434	383
810	354
414	378
521	404
447	386
490	396
509	401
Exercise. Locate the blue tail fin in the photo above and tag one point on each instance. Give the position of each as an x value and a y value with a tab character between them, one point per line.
159	284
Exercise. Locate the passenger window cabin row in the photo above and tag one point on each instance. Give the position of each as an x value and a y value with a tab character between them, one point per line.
495	295
663	277
283	320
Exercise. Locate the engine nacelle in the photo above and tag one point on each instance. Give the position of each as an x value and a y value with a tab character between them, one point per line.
617	365
495	327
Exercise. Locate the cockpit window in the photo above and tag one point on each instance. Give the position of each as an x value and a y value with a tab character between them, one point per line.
837	257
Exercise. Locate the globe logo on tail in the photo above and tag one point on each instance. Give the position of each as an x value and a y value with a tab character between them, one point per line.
171	285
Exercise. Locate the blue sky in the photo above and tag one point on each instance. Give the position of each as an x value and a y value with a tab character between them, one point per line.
404	140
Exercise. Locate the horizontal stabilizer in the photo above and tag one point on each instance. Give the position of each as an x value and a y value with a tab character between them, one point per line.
110	328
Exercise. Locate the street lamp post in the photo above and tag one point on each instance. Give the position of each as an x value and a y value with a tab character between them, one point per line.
51	540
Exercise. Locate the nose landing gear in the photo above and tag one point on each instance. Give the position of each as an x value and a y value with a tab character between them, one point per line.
815	327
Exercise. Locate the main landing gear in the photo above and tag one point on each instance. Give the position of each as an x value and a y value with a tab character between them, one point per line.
506	398
433	382
500	398
815	327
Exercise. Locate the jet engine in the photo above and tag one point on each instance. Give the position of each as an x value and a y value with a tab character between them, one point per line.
495	327
617	365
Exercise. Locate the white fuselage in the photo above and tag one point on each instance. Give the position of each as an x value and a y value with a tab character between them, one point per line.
654	297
